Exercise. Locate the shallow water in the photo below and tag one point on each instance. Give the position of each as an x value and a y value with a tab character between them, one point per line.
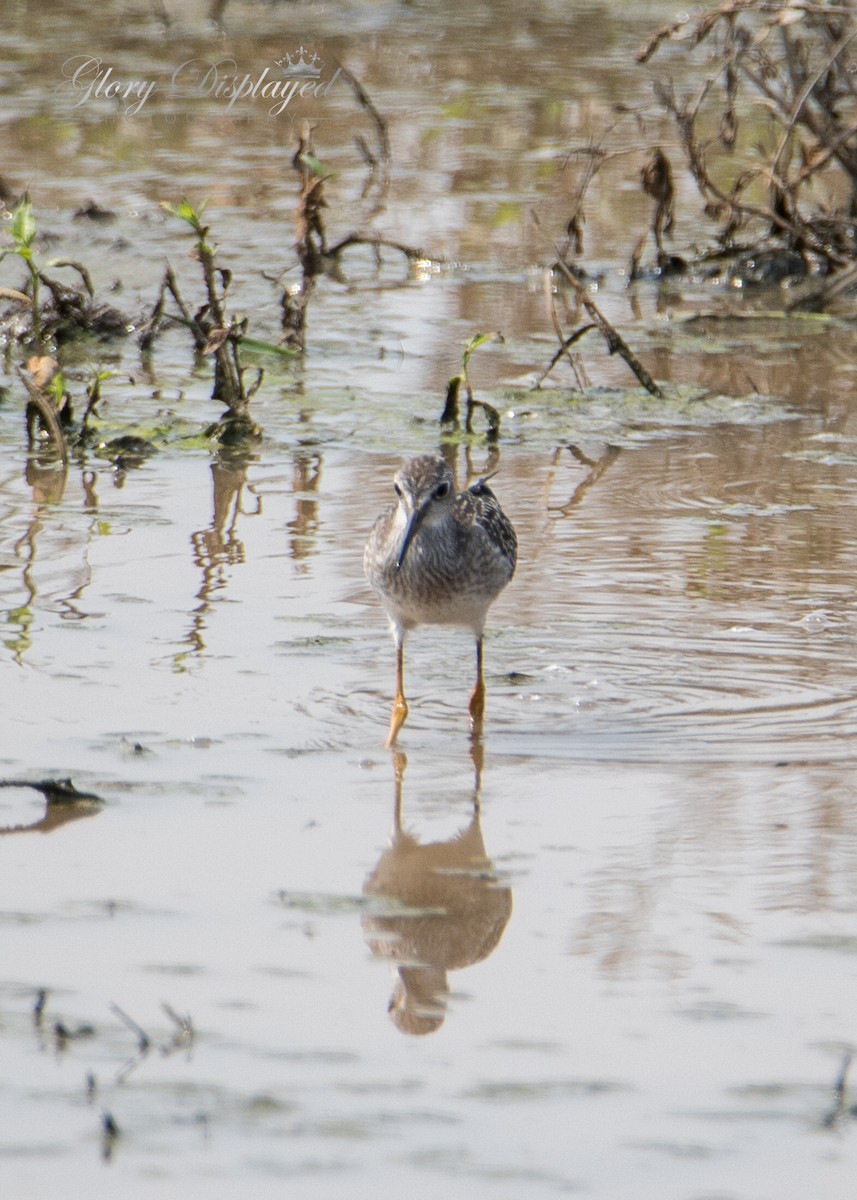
626	933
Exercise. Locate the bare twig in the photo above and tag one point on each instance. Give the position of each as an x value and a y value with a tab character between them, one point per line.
616	344
42	408
144	1042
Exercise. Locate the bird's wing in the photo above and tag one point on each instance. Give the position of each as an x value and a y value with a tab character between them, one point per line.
487	513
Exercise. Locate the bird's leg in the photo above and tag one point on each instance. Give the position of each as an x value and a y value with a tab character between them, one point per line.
400	705
477	699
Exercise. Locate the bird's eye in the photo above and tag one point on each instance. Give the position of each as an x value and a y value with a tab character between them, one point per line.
397	490
441	490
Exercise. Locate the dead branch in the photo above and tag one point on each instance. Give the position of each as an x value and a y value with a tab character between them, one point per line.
616	344
793	57
41	408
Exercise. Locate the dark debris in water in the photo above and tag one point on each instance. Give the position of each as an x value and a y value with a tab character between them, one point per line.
767	268
63	804
93	211
55	791
127	450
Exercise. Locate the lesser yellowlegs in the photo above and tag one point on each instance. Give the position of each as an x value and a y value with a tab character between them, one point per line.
439	558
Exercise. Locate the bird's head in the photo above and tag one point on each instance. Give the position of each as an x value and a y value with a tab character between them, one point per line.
425	490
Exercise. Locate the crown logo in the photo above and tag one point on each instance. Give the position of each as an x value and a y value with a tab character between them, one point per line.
300	67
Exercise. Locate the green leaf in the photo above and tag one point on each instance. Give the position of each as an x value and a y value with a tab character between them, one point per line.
185	211
56	388
257	346
23	227
315	165
479	339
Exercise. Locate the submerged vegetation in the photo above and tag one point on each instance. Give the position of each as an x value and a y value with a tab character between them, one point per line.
768	137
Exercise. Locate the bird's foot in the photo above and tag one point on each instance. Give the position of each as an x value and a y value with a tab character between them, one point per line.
397	719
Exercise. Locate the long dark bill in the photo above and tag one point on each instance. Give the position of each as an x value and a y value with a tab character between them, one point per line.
414	522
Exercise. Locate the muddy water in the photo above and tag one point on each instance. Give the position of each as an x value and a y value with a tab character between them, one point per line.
609	951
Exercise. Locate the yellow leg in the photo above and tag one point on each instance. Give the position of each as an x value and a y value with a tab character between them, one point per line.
400	705
477	699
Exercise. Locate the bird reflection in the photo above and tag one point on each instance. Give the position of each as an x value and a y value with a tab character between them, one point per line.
440	909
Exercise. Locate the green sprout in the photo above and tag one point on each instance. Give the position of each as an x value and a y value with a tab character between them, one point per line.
450	415
22	230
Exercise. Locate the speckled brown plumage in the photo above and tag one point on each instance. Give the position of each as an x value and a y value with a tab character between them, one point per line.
437	558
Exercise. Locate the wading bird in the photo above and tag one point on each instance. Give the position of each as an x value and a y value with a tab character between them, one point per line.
439	558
